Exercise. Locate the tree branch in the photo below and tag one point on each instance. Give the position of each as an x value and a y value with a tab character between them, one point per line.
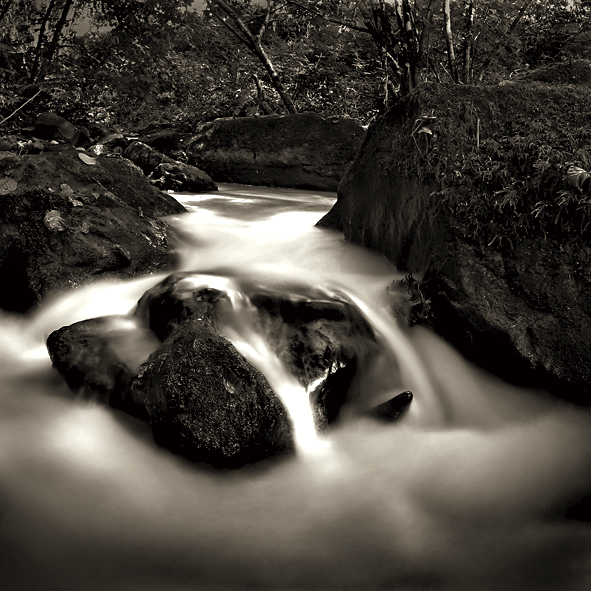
328	19
5	9
23	105
500	40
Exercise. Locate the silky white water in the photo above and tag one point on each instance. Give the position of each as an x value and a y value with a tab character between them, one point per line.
466	491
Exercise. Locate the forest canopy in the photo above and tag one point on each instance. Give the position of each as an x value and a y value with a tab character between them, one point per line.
127	63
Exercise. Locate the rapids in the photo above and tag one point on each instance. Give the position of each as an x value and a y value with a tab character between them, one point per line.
468	490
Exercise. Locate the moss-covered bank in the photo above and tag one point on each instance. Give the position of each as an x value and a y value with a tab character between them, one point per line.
469	187
494	158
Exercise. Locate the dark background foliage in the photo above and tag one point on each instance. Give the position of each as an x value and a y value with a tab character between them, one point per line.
130	63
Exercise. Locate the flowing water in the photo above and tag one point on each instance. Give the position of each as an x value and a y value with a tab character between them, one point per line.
467	490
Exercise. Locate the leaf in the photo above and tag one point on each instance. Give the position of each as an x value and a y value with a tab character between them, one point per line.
7	186
575	176
87	159
425	130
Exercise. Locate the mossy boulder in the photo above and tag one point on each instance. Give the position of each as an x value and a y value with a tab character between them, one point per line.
65	221
303	151
467	190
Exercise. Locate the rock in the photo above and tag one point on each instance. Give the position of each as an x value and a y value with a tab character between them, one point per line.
167	173
175	176
392	409
9	143
526	317
175	299
104	224
207	403
99	358
324	342
504	284
115	143
52	126
303	151
145	157
166	141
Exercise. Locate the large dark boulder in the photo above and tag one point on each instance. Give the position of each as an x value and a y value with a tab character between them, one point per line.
67	221
207	403
301	151
467	190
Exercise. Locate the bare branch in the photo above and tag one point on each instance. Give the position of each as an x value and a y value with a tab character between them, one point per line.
451	54
329	19
23	105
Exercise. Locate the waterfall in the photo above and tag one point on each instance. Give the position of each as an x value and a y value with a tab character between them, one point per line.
469	489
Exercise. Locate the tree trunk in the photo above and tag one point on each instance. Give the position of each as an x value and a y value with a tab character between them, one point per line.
40	42
48	57
451	55
254	44
469	41
5	8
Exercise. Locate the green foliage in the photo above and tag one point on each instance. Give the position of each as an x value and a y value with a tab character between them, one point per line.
500	155
150	61
548	32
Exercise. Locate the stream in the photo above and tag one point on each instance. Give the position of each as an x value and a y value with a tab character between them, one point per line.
467	490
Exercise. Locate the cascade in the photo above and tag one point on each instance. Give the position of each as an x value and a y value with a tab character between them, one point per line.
467	490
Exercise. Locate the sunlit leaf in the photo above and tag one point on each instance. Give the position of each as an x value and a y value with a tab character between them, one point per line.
87	159
7	186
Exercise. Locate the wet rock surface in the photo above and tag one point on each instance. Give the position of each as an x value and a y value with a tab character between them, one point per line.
99	358
166	173
323	342
170	363
529	308
207	403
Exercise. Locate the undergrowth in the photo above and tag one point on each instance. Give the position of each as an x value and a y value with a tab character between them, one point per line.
500	156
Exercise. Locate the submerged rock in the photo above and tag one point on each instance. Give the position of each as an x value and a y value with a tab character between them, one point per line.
392	409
